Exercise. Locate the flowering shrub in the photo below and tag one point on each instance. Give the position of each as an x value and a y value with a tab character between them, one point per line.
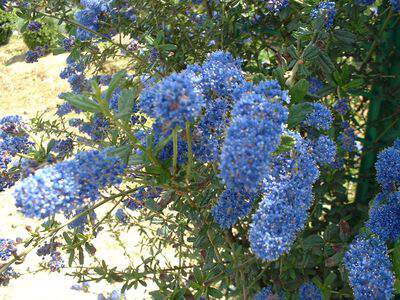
237	133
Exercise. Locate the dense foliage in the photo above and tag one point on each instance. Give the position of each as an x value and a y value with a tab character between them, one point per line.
240	134
6	26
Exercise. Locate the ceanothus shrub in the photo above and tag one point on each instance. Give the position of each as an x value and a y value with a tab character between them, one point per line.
232	132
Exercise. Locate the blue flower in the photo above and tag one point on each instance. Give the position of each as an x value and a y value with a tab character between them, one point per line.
34	26
315	85
264	294
325	10
342	106
31	56
283	211
320	118
369	269
63	147
276	6
347	138
253	135
231	206
388	168
68	185
323	150
395	5
221	74
308	291
384	216
208	134
68	43
121	216
90	19
173	101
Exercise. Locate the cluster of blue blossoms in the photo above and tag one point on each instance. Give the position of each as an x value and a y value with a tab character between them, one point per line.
307	291
49	249
97	16
68	185
7	249
325	10
283	211
13	140
367	261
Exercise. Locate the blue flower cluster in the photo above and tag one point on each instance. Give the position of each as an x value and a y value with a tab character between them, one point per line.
323	150
32	56
369	269
342	106
347	138
55	262
74	73
68	43
283	211
63	147
321	117
121	216
90	17
254	133
383	216
309	291
34	26
207	135
232	205
174	101
97	127
395	5
98	15
315	85
13	140
388	168
7	249
325	10
265	293
66	185
276	6
200	94
367	260
79	224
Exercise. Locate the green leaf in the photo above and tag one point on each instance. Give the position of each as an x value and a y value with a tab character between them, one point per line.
81	256
287	143
345	36
67	239
396	258
71	257
310	52
114	83
312	241
81	102
214	292
299	90
125	104
293	52
299	113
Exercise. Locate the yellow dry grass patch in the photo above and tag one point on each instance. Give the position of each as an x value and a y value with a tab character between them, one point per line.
28	88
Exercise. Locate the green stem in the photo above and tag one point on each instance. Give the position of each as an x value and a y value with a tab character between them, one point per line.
175	149
190	150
